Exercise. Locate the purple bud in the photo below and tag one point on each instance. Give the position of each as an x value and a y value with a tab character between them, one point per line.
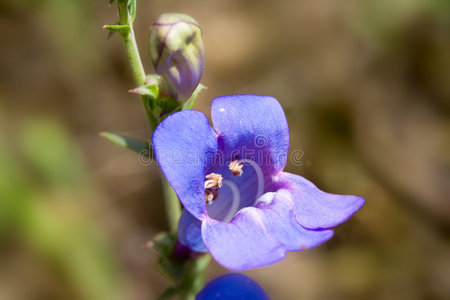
177	52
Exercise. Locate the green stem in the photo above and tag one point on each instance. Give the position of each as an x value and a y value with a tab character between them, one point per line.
172	204
193	277
134	58
192	280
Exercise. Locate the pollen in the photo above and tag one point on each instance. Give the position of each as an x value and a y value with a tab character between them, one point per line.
236	167
212	185
214	181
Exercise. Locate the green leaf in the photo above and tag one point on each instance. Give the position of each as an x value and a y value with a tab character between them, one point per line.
137	146
122	29
111	1
153	86
191	101
151	90
156	91
164	244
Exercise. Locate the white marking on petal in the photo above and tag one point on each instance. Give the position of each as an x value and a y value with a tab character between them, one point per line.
259	175
236	200
267	198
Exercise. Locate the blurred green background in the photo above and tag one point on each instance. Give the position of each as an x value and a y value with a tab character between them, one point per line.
366	89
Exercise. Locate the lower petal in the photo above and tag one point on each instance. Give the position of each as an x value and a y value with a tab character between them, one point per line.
315	209
189	232
282	224
244	243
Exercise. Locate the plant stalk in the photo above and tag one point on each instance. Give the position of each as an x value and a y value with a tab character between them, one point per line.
192	280
172	204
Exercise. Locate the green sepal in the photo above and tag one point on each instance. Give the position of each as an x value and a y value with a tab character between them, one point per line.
131	11
191	101
193	276
164	244
150	88
172	105
160	99
187	274
137	146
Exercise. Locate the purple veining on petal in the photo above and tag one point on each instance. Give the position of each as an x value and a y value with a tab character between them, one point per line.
177	53
317	209
161	49
156	23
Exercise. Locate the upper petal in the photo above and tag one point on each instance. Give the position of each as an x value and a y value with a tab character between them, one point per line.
242	244
184	145
316	209
252	127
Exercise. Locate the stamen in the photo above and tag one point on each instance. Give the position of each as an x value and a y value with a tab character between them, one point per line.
212	186
236	167
214	181
211	195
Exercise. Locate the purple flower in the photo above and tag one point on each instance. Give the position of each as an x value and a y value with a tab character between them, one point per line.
238	203
232	286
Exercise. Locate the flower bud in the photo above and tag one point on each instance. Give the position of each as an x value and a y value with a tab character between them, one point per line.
177	53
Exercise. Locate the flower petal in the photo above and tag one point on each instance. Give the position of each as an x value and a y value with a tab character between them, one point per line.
189	232
252	127
316	209
184	145
282	224
242	244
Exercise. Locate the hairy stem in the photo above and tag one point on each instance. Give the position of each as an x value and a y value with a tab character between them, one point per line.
172	204
134	58
193	277
192	280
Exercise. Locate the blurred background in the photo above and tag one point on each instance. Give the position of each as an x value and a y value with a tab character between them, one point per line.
366	90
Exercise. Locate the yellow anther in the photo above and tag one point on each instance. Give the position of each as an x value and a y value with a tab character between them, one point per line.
236	167
214	181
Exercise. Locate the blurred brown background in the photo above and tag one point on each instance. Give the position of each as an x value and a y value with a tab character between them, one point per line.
366	89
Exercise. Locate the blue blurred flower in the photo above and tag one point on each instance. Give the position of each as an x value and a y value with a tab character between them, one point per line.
232	286
238	203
